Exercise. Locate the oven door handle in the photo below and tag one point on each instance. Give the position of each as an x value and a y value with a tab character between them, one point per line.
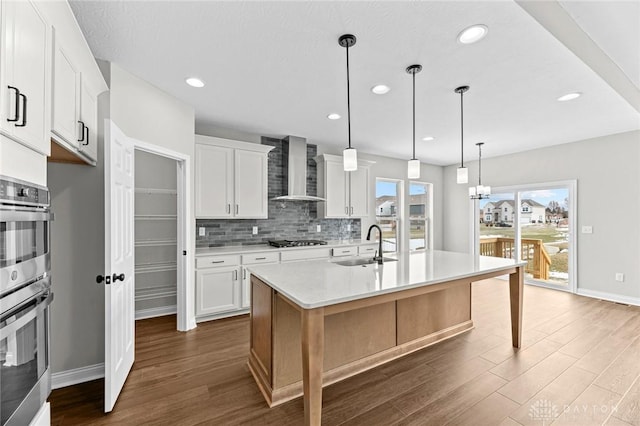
11	328
24	216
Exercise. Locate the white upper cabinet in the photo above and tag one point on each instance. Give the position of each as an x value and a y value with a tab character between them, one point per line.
336	194
75	107
251	190
346	193
66	98
89	118
214	181
359	190
231	179
25	70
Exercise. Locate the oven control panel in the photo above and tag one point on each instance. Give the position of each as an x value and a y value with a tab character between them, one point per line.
17	192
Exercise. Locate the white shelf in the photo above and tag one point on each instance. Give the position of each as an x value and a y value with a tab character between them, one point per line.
156	191
156	243
156	217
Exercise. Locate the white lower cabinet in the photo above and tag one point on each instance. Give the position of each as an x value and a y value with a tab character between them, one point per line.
223	282
217	290
368	249
265	258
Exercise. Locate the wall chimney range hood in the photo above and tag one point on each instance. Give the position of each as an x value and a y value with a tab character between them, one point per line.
294	161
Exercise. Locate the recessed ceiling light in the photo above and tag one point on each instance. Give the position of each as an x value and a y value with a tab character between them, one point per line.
380	89
194	82
333	116
569	96
428	138
472	34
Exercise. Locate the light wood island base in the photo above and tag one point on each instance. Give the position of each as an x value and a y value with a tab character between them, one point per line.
296	352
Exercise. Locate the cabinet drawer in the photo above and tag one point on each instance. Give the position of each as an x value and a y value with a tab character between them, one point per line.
368	249
315	253
344	251
217	261
255	258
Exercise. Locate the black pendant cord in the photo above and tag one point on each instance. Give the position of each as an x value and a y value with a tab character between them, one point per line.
461	130
348	99
414	117
479	164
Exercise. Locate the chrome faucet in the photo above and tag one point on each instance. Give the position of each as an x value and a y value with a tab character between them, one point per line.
378	256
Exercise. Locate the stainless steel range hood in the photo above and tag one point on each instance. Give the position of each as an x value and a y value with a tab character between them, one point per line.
294	160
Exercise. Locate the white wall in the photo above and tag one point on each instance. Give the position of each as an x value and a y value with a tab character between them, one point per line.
143	112
607	170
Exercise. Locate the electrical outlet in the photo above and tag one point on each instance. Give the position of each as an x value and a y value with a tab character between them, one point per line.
349	228
587	229
255	230
202	231
619	277
318	228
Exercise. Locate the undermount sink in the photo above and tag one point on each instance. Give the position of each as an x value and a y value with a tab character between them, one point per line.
362	261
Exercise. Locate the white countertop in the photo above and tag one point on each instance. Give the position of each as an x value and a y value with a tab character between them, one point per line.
316	283
205	251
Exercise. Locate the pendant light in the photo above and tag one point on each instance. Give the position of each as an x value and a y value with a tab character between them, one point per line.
463	173
479	192
349	155
413	166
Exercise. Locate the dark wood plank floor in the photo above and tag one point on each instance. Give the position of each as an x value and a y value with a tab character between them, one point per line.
579	365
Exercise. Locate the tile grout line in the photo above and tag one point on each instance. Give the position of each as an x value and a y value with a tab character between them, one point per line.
615	408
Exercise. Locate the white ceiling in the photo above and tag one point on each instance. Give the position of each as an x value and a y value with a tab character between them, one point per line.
275	68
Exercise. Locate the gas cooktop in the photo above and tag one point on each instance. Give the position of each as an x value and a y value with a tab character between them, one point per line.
296	243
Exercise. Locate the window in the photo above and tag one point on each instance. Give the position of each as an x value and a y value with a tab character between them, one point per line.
387	212
505	210
525	208
418	221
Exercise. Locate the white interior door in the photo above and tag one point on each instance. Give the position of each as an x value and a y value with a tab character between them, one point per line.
119	262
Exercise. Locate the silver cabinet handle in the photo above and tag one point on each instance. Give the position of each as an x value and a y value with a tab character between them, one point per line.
346	210
235	275
229	208
237	208
218	261
244	274
346	251
260	258
351	209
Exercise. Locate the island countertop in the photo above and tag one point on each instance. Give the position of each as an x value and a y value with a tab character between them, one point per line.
313	284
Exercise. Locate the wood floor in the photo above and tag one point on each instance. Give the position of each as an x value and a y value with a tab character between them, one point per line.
579	365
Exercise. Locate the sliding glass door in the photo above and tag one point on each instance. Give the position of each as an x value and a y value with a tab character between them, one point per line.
534	223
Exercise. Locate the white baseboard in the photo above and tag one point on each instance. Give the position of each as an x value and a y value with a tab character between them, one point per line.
77	375
156	312
609	296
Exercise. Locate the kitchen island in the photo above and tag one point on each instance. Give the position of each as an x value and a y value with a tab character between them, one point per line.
315	323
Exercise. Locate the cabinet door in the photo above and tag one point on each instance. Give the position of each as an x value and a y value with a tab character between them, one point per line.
246	289
251	190
335	190
359	199
89	116
214	181
66	98
217	291
26	64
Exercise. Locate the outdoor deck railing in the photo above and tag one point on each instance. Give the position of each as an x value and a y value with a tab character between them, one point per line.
533	251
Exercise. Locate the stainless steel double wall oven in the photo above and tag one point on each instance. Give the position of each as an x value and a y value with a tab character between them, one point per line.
25	296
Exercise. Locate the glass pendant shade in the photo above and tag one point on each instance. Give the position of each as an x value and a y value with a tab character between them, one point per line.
479	191
413	169
463	175
350	159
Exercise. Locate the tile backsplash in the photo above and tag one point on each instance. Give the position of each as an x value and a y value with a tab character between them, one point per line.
287	219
